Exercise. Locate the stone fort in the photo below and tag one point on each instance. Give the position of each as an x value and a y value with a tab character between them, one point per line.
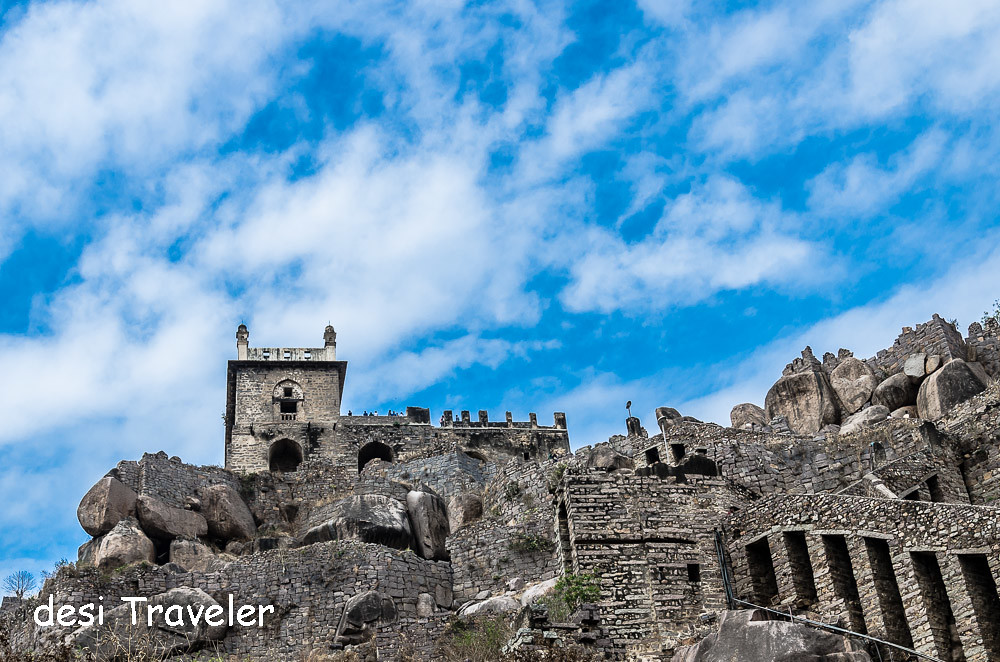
853	516
283	407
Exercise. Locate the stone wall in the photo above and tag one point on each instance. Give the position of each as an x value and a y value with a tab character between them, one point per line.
170	479
308	587
973	427
489	553
984	345
936	336
651	544
901	570
768	463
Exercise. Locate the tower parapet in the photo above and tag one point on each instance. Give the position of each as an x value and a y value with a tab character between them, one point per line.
282	403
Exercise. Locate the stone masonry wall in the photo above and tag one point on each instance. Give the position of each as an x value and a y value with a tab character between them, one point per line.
651	544
769	463
984	345
169	478
936	336
308	587
973	427
897	569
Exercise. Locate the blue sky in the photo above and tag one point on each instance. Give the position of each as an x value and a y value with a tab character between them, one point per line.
512	205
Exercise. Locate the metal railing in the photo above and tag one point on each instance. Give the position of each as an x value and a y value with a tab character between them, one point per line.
826	626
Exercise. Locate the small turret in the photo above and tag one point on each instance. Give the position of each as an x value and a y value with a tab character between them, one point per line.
242	342
330	342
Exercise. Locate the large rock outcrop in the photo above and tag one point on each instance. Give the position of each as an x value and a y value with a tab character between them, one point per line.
464	509
429	517
119	638
603	456
226	513
123	545
361	617
805	399
495	606
864	418
747	415
954	382
741	637
853	382
104	505
162	521
895	392
193	556
366	517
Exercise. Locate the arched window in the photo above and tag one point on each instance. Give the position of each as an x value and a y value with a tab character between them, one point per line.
287	398
284	455
373	450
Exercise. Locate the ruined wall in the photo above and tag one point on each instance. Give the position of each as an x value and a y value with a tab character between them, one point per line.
973	427
901	570
936	336
447	475
984	345
769	463
308	586
651	544
489	553
517	537
933	477
170	479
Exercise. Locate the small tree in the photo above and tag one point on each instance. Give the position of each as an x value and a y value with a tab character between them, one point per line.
20	583
994	316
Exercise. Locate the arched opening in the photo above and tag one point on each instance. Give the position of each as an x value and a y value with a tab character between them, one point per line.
476	455
287	399
284	455
371	451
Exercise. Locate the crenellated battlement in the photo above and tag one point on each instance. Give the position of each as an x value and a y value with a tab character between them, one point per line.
290	354
483	421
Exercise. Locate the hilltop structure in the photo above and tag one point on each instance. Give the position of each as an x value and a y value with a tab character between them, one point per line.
860	496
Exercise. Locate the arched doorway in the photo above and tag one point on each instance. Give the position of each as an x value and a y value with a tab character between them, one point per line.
371	451
284	455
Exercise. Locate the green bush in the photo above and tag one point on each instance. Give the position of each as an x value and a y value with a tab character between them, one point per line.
528	543
512	491
570	592
476	641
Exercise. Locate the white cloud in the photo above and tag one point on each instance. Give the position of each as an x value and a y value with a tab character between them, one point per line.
909	48
95	85
717	237
666	12
768	79
862	187
587	118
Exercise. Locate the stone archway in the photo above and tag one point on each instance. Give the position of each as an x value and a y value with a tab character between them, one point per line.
284	455
475	455
371	451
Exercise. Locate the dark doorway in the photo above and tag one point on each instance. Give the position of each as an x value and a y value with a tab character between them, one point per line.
844	584
935	598
801	566
761	568
982	590
371	451
284	455
887	588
